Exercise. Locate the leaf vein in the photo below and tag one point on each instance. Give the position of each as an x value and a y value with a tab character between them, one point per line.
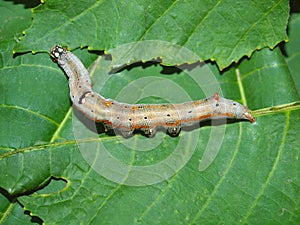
157	19
275	164
222	179
31	112
201	22
242	37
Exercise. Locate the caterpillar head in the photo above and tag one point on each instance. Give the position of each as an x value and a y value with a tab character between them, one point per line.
56	52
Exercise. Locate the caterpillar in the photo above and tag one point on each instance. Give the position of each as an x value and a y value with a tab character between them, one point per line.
125	118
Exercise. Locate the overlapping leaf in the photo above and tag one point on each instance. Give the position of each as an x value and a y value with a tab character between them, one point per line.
218	30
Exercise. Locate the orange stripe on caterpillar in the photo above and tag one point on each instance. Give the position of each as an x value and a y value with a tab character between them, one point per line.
125	118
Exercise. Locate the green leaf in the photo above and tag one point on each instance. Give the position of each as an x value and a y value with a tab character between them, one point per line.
58	171
293	49
220	31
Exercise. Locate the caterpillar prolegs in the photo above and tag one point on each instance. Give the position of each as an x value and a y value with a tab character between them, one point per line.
125	118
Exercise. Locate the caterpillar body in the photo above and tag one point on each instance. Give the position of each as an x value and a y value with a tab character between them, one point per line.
126	118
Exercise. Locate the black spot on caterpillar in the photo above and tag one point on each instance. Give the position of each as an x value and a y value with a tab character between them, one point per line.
125	118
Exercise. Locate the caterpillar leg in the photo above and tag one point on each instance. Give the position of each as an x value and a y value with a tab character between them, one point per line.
126	133
149	132
108	129
173	131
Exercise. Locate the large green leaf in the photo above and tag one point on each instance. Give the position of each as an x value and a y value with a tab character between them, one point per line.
58	175
219	30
